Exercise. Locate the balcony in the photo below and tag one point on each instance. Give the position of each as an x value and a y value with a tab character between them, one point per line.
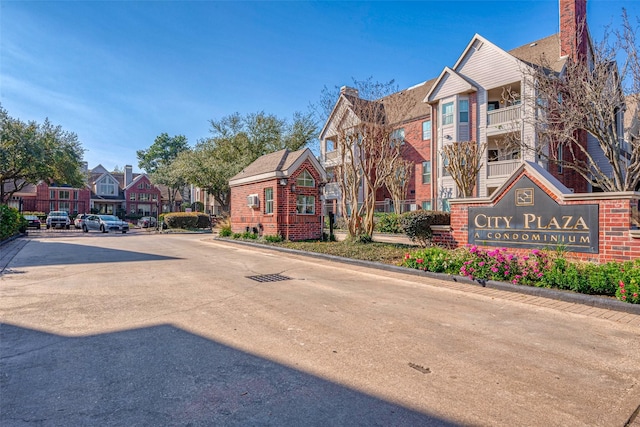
504	115
331	158
332	191
502	168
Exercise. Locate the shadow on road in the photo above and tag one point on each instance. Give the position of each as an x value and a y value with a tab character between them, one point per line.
51	252
163	375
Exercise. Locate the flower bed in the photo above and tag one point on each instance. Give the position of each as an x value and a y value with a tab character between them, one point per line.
538	268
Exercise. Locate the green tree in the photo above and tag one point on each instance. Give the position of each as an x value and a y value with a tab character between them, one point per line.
32	152
157	162
236	142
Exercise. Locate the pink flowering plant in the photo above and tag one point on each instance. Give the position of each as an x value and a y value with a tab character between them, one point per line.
537	268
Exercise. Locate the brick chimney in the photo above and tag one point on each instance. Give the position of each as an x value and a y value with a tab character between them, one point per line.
346	90
573	28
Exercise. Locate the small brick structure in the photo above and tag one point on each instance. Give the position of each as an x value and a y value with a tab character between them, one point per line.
533	210
279	194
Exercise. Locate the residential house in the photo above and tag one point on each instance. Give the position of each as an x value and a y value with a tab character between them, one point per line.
279	194
477	99
46	197
125	193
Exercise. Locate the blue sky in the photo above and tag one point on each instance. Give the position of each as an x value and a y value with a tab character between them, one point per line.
119	73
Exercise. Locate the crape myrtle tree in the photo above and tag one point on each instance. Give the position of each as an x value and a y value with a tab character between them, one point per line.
32	152
398	183
463	161
235	142
590	95
157	161
369	148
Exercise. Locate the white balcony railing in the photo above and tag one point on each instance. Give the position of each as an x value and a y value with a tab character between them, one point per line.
331	156
502	168
503	115
332	190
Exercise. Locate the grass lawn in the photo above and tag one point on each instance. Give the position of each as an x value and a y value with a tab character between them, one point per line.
387	253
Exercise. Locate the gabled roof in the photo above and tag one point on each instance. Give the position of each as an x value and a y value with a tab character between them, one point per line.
445	76
135	180
400	107
416	108
343	98
280	164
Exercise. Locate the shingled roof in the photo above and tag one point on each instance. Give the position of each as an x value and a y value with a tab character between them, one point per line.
277	164
545	52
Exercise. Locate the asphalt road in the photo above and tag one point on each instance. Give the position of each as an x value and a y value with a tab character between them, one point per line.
148	329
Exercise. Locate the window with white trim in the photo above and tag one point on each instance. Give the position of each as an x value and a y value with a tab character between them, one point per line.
268	200
306	205
305	179
397	137
447	113
107	187
463	110
426	130
426	172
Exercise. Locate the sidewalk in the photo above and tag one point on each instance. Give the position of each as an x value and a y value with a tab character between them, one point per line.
9	249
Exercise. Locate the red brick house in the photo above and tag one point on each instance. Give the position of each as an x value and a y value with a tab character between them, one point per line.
46	197
279	194
127	193
142	197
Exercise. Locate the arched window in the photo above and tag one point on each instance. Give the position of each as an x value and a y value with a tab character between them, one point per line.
305	180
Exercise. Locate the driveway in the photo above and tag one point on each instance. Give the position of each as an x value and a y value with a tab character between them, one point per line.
157	329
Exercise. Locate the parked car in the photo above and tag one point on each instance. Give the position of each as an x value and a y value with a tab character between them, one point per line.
77	223
104	223
33	221
57	219
147	221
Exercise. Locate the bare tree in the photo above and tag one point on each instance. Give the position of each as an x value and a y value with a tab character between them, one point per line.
398	183
463	161
370	149
590	96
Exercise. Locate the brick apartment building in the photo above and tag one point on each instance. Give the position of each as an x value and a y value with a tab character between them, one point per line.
466	102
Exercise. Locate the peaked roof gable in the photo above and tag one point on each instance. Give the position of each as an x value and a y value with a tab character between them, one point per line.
280	164
343	105
448	77
137	179
98	170
477	43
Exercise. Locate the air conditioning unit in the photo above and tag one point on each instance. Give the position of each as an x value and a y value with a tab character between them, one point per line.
253	201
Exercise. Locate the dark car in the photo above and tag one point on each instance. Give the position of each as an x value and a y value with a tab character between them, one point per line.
33	221
147	221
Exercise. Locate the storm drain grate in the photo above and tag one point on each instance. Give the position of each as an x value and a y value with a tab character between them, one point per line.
262	278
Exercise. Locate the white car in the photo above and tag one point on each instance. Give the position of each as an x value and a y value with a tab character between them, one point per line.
57	219
77	223
104	223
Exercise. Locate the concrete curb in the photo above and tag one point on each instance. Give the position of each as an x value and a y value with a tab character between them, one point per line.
566	296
